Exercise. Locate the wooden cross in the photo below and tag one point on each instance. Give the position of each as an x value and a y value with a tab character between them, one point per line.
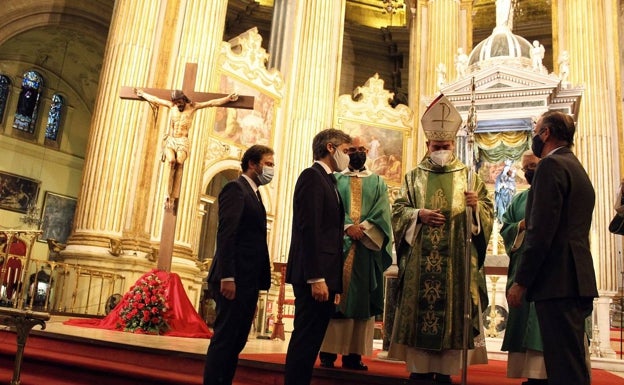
167	238
188	87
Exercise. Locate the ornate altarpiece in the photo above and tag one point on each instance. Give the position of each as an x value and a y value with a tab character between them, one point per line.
241	68
368	114
508	99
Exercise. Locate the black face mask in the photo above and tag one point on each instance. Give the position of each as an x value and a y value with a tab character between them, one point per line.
357	160
528	175
537	146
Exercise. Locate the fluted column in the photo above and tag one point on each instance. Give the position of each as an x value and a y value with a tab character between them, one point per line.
442	34
588	30
123	189
197	41
417	143
315	47
281	31
117	134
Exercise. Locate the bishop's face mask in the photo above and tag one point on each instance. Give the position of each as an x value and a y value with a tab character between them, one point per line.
441	157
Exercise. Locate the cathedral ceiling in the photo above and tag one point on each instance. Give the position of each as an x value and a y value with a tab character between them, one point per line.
64	39
75	58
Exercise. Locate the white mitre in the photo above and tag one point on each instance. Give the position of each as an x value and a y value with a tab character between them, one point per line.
441	120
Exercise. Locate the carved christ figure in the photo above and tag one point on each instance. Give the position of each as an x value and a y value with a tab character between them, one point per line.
176	145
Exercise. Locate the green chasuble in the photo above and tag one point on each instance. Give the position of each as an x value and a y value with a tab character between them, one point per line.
363	295
431	272
522	330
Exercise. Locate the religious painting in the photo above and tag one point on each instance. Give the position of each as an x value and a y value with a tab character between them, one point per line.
385	149
57	217
18	193
245	127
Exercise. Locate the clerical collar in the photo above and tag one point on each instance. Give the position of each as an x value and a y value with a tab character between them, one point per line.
362	173
360	170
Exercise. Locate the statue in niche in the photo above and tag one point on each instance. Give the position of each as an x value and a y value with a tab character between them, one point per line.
504	190
176	145
461	63
537	55
564	68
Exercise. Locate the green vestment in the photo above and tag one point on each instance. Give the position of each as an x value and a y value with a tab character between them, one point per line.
431	271
522	329
363	297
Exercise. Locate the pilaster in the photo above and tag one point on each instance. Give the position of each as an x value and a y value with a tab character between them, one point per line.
442	24
585	29
312	87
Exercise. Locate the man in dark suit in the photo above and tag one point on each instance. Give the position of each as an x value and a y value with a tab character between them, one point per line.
557	271
315	258
241	265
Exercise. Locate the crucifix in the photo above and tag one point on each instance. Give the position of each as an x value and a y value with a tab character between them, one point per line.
182	104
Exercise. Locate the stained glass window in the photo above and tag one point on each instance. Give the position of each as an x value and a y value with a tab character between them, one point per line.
5	84
28	102
54	117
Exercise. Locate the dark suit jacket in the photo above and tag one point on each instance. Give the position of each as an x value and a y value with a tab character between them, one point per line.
557	262
317	230
242	250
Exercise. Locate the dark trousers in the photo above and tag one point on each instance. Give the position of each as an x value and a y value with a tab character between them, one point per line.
562	323
231	329
310	324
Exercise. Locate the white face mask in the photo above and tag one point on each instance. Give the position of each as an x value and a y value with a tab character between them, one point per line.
441	157
267	175
342	159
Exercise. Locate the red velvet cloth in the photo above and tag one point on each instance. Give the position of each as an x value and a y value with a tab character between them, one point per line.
13	267
182	318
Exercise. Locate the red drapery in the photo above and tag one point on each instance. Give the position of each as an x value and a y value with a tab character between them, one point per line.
183	319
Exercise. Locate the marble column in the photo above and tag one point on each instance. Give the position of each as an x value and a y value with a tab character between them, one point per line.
417	138
314	51
281	30
441	39
123	192
588	31
119	137
197	41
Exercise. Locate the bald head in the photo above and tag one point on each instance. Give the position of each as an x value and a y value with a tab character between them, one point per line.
358	142
529	159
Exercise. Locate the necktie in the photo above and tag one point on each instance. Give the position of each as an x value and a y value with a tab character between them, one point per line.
258	194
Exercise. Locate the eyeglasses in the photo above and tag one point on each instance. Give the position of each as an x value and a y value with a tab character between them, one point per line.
353	150
529	168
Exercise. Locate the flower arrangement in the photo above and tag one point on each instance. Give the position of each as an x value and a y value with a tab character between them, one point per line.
143	309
